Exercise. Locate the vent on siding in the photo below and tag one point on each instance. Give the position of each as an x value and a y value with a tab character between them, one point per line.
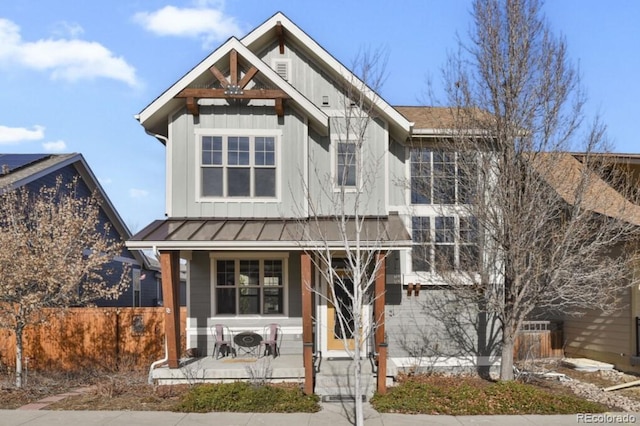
282	68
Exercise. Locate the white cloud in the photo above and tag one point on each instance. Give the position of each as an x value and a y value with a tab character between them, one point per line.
105	181
54	146
13	135
206	21
64	28
138	193
66	59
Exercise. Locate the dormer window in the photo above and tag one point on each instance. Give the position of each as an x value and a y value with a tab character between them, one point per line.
238	166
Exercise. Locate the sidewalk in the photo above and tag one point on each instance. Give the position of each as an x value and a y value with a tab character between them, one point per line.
331	414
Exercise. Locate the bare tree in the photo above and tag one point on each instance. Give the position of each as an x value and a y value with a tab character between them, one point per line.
55	254
347	241
547	233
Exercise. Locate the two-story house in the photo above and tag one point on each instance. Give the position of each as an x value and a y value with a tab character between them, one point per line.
254	143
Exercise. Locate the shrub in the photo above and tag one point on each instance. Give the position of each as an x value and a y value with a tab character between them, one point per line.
459	395
246	398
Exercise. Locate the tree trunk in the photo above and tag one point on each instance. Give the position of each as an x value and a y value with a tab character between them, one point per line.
19	357
506	364
358	380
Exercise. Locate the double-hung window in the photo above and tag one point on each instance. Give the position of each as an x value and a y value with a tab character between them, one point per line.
238	166
444	243
249	286
441	176
346	164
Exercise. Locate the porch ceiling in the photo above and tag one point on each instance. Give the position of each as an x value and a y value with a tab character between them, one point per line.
266	234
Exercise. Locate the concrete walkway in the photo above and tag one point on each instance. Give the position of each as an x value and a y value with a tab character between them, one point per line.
333	414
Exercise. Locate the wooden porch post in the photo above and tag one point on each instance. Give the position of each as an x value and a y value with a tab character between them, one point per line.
378	315
170	264
307	326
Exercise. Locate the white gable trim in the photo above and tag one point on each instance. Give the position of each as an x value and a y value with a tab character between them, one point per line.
329	60
203	67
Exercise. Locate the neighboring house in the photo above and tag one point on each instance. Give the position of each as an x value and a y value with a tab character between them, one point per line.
33	171
613	338
246	132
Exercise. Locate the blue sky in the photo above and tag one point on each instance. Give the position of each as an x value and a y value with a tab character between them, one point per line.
73	73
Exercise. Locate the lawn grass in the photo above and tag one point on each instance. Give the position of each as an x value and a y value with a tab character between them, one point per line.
460	395
247	398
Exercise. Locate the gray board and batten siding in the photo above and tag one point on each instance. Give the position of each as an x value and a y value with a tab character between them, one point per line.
303	152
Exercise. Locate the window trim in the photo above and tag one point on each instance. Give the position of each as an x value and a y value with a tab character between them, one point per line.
252	134
261	257
458	157
431	242
335	141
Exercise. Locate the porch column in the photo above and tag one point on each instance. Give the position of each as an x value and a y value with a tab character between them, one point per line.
170	264
378	315
307	326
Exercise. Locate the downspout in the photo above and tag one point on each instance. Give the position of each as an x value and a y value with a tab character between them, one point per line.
164	140
166	348
159	362
161	138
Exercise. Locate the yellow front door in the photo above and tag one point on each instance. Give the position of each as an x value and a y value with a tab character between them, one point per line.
337	336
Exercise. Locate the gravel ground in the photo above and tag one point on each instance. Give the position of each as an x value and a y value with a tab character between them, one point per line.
590	385
595	393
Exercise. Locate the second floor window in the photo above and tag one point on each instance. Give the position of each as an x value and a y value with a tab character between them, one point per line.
238	166
347	164
442	177
445	243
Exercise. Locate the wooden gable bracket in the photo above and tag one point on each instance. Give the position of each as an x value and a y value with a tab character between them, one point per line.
280	34
232	88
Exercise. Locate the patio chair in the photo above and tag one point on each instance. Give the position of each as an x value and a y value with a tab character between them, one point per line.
223	341
272	340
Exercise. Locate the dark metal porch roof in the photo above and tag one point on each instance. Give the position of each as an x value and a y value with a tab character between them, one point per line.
266	234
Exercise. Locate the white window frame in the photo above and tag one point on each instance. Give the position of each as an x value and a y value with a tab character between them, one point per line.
333	152
252	134
237	257
455	178
457	243
136	287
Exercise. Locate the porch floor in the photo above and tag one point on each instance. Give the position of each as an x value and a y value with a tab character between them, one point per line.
225	369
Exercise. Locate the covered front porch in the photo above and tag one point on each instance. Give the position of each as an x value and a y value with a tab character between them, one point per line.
207	239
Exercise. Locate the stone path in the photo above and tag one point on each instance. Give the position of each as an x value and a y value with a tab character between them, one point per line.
39	405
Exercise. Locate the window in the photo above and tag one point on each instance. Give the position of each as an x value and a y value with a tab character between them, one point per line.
238	166
136	287
454	245
346	164
442	177
249	286
421	236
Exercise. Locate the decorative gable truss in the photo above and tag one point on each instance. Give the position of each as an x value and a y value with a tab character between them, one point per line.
235	86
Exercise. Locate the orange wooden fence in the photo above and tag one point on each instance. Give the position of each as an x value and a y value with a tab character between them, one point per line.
92	337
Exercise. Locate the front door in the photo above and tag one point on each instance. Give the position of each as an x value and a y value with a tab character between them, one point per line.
338	336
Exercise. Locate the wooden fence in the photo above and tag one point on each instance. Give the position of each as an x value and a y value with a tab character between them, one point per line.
88	337
539	339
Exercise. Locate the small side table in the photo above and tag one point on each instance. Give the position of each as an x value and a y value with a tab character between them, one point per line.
248	343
